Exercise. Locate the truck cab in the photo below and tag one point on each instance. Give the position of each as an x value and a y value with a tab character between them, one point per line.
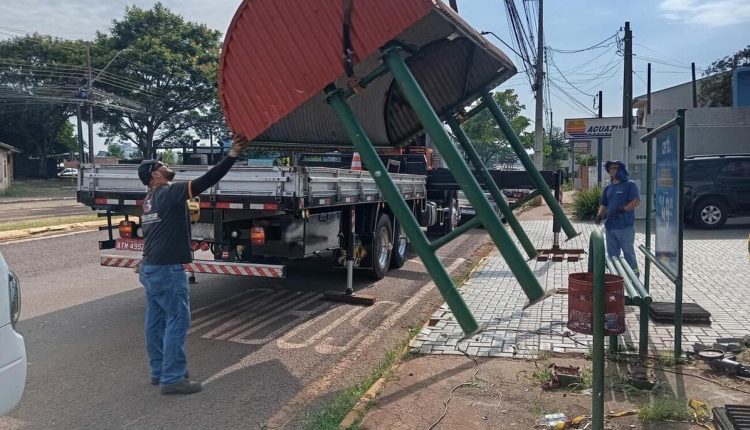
12	347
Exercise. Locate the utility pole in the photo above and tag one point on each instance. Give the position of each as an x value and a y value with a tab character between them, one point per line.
599	148
91	105
539	92
695	89
627	88
648	95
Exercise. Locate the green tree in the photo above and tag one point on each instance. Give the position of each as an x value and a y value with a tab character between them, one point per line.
555	150
165	64
717	89
39	86
168	156
116	151
485	135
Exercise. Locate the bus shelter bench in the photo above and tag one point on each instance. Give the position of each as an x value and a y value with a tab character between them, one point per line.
635	295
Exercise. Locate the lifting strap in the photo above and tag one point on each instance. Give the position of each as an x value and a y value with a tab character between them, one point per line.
348	50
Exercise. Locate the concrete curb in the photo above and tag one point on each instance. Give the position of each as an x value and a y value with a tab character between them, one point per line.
39	231
34	199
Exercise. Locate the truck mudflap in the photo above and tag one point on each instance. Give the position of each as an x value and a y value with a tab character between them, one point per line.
205	266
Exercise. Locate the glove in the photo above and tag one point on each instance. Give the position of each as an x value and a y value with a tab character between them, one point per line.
597	220
239	144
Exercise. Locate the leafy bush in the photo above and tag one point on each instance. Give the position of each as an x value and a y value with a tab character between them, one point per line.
586	204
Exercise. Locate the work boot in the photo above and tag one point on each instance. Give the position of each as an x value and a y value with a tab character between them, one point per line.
155	381
185	387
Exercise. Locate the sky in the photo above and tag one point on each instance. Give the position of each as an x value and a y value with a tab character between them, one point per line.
669	33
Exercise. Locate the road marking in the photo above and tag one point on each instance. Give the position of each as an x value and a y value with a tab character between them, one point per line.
311	391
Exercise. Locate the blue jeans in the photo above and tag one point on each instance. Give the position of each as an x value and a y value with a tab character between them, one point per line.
167	320
623	239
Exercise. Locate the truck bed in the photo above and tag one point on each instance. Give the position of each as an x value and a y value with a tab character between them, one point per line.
281	188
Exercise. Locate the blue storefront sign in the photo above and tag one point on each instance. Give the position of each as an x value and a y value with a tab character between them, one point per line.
668	218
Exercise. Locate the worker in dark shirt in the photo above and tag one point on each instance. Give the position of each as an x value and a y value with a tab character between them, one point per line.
166	236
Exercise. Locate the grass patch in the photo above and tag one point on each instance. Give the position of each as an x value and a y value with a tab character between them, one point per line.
542	375
331	416
567	186
587	380
47	222
41	188
662	408
667	359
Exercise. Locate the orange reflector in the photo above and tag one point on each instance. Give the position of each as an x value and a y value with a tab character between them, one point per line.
126	229
194	246
270	206
257	236
204	246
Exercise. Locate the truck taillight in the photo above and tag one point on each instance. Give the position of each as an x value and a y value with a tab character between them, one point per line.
194	246
205	246
126	229
257	236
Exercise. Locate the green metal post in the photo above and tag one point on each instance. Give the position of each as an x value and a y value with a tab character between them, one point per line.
680	214
418	101
481	169
403	214
528	164
643	336
461	229
596	246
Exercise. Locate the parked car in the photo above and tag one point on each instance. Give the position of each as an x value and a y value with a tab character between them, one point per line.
467	211
717	187
68	172
12	347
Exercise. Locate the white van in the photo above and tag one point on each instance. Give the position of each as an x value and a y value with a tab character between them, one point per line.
12	347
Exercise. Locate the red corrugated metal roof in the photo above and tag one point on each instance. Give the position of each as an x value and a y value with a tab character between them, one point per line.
279	53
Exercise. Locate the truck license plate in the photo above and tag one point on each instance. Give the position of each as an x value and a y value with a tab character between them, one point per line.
129	244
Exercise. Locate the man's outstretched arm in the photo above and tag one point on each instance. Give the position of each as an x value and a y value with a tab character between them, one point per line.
217	172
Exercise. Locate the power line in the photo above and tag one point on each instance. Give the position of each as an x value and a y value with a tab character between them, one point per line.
595	46
551	60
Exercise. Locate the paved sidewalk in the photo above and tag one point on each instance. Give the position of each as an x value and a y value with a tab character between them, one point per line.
716	276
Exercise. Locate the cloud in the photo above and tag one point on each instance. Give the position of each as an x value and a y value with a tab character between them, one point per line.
712	13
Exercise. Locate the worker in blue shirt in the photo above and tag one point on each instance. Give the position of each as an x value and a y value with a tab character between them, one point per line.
619	200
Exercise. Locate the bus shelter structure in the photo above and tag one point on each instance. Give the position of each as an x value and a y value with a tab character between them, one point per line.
379	74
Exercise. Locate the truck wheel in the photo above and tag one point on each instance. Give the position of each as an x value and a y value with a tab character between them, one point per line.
710	214
453	217
400	247
381	248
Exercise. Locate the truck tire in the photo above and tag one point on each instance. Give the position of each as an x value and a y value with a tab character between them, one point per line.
451	218
381	247
710	213
400	247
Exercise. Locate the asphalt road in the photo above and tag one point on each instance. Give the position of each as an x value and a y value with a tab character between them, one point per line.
24	211
269	351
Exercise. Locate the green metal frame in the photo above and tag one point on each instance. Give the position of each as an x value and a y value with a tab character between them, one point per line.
528	164
492	187
597	257
433	126
403	213
485	215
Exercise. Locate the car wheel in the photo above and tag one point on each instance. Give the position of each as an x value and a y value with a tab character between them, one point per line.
381	247
400	248
710	214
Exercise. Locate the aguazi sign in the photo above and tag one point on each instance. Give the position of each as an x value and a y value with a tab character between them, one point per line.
591	128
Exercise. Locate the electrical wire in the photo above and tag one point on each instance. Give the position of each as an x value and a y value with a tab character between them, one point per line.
463	384
551	60
595	46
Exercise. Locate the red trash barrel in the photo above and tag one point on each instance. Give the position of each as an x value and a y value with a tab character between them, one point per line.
581	303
